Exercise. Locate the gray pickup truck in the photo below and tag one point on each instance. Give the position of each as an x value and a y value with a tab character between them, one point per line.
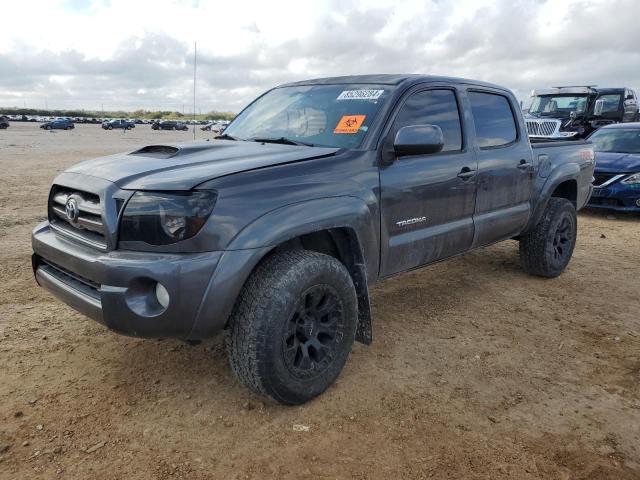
275	231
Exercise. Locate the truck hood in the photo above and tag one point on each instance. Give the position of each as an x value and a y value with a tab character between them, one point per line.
614	162
186	165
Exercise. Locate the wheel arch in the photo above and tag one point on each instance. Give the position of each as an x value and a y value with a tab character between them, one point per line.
342	227
562	183
342	243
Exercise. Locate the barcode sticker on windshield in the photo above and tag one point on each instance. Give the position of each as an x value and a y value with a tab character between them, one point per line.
360	95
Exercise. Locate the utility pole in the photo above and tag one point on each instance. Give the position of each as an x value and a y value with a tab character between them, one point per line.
195	58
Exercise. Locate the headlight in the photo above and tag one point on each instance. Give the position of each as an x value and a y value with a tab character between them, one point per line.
162	218
632	180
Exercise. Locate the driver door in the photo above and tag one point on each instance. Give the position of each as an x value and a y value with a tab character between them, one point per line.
427	201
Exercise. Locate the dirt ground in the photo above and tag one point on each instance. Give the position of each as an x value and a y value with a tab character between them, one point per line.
477	371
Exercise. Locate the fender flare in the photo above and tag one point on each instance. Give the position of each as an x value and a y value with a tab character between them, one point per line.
264	234
569	171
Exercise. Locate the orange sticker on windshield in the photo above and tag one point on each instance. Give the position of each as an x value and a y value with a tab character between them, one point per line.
349	124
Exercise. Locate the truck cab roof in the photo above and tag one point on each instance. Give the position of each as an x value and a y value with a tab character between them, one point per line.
406	80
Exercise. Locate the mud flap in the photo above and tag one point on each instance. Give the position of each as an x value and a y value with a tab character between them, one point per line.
364	330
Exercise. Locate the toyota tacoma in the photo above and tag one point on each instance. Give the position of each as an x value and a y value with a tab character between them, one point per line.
274	232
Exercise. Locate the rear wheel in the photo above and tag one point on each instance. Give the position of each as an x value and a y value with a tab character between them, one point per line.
293	326
546	250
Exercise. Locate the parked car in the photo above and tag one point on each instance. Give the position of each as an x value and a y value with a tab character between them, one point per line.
617	173
216	127
569	113
4	122
315	192
118	124
170	125
59	124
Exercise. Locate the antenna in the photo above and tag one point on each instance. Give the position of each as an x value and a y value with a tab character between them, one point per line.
195	58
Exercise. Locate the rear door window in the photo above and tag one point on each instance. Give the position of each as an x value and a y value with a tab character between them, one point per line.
494	121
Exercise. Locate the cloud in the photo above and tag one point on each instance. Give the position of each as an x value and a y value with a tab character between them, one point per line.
139	54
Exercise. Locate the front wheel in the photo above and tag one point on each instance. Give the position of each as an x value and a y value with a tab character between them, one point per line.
546	250
293	327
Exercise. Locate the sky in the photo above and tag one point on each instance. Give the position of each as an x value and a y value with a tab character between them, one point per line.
138	54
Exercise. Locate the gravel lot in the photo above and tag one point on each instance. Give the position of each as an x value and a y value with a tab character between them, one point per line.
477	371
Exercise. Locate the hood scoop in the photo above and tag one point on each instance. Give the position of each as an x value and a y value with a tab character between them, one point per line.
157	151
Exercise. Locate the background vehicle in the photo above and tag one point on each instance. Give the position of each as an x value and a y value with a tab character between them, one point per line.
317	190
59	124
617	173
169	125
216	127
575	112
121	124
4	122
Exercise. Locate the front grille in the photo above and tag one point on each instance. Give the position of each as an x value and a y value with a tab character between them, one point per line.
542	128
600	178
86	225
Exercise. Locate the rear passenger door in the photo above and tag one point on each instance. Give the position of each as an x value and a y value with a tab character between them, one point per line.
505	171
426	200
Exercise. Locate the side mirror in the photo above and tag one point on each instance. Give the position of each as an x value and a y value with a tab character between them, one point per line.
418	140
598	107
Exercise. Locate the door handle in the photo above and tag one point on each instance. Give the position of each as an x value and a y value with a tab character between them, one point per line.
466	173
523	165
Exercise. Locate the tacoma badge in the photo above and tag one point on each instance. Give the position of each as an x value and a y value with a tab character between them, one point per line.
411	221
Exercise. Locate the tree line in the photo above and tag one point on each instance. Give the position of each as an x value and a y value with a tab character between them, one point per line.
141	114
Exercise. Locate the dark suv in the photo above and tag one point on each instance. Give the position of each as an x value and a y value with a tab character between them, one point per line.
4	122
121	124
58	124
170	125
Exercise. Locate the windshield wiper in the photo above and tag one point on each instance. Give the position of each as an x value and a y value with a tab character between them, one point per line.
282	140
225	136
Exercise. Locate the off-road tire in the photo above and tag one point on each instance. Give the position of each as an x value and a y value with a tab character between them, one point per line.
258	337
546	250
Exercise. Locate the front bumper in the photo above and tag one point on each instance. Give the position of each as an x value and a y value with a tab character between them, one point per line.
117	288
617	196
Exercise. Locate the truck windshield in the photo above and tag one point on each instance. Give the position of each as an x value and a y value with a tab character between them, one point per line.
616	140
558	105
318	115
